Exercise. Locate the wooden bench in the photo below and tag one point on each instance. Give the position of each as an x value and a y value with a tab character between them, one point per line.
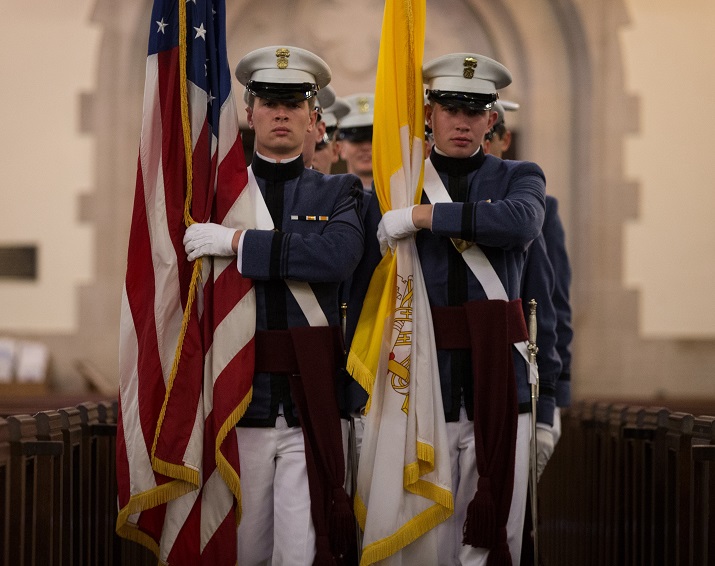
630	484
703	492
28	456
50	486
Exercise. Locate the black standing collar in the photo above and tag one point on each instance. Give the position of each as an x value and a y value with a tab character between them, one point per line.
456	165
277	171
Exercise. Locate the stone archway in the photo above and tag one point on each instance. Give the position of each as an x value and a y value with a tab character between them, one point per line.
567	65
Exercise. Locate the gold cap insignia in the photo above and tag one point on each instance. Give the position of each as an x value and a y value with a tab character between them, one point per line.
470	63
282	55
363	104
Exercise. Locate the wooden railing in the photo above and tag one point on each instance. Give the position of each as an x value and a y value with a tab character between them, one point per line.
58	495
627	485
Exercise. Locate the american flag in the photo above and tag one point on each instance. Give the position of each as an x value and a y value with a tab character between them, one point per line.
186	336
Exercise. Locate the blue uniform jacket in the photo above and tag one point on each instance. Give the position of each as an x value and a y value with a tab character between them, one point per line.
355	288
538	284
354	397
555	239
321	252
502	211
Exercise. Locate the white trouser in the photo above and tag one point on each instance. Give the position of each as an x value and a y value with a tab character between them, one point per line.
276	526
463	462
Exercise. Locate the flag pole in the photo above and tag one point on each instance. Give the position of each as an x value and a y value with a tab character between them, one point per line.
533	476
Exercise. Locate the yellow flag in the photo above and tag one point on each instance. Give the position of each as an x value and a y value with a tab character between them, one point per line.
404	480
398	134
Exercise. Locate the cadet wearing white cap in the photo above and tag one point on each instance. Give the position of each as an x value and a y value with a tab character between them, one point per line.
355	137
547	276
554	342
326	150
540	283
308	238
477	217
355	142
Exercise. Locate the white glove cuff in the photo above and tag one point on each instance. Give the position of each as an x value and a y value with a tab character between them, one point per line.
227	241
407	226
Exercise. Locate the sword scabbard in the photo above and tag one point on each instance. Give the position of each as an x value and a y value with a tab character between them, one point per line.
533	348
344	322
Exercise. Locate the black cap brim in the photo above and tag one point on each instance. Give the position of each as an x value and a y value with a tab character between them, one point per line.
356	134
473	100
295	92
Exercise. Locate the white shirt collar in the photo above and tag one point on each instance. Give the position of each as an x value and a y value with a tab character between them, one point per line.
438	150
271	160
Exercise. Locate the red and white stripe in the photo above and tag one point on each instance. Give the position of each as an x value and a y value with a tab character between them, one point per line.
216	365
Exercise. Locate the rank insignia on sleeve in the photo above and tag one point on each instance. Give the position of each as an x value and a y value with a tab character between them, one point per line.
309	217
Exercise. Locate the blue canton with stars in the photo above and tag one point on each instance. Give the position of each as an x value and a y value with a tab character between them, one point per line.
207	60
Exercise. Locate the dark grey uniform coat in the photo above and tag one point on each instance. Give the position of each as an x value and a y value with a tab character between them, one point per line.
500	206
318	238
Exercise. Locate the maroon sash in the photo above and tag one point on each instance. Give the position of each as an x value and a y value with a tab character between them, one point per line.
310	357
488	328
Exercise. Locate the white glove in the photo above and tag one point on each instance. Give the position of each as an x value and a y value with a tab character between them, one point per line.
544	447
395	225
208	239
556	429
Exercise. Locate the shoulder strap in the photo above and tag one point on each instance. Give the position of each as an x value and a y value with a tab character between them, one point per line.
475	258
301	290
